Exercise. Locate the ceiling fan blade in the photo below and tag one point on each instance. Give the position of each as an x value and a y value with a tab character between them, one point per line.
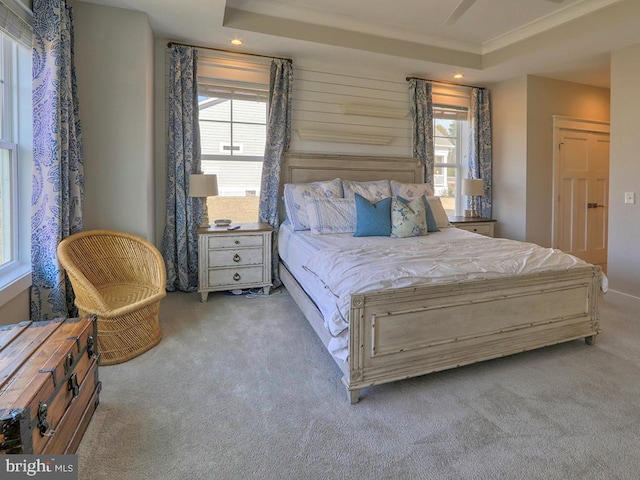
462	7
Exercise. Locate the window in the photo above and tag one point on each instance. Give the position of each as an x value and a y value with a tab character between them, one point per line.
15	168
451	146
232	136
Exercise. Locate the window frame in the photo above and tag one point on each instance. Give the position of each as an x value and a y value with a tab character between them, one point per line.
17	137
461	152
232	91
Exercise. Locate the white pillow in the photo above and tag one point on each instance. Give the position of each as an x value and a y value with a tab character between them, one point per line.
373	191
410	190
295	195
331	215
438	212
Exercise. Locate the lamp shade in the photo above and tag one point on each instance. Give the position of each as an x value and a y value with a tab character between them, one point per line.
473	187
203	185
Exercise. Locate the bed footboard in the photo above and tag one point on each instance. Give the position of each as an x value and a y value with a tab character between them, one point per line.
408	332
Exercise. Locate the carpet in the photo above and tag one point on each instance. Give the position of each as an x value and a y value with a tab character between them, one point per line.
240	387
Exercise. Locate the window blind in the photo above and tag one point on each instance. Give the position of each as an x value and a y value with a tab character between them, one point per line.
16	23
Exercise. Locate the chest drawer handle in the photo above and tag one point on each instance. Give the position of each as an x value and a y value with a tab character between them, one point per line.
237	242
68	362
73	384
90	342
237	277
236	258
43	423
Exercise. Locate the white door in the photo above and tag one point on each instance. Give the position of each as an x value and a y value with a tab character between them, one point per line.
581	194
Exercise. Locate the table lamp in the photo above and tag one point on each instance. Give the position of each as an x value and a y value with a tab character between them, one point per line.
202	185
473	187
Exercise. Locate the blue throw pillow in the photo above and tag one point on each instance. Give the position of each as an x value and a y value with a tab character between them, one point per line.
432	225
372	220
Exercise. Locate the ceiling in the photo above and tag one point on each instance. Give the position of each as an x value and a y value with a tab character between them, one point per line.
491	40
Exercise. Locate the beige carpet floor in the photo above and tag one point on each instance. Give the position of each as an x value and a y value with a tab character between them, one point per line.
241	388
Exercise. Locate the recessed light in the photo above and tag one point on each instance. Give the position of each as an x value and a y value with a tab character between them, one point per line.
236	41
458	75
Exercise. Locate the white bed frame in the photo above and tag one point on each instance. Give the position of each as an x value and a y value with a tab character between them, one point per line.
406	332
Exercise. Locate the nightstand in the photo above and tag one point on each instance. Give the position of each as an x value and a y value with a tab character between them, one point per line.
483	226
234	259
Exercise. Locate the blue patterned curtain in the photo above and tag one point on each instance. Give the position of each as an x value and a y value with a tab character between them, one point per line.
278	139
56	205
184	213
480	147
422	113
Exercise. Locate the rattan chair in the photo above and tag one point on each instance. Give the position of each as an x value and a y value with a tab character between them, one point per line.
121	278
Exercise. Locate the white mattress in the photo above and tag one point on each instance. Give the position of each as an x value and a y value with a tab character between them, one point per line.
332	267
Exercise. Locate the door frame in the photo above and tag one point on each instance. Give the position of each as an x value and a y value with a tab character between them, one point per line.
560	123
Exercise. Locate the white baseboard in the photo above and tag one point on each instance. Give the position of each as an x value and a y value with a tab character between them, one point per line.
623	299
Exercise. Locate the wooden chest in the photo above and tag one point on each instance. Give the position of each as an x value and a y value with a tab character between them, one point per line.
48	384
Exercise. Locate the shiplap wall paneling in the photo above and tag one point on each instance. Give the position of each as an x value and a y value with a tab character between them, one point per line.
318	97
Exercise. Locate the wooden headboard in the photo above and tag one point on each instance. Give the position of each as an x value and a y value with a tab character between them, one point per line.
311	167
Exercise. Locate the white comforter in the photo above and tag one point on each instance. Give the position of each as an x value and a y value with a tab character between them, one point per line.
355	265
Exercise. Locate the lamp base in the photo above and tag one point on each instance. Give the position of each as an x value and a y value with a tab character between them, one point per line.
205	214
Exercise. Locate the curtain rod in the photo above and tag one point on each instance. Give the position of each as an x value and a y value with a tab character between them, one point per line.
445	83
227	51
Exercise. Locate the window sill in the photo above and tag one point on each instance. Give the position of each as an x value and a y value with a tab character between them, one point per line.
14	282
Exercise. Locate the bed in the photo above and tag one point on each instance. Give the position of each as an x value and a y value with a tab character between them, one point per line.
394	331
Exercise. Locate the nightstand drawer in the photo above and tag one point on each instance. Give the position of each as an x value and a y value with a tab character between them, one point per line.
235	276
484	229
231	257
234	241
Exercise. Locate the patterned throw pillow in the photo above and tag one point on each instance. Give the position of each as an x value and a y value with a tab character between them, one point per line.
331	215
432	225
296	194
372	191
372	220
410	190
408	219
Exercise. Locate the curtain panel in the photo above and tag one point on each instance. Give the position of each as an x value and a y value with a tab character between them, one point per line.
184	213
57	185
277	143
420	95
480	156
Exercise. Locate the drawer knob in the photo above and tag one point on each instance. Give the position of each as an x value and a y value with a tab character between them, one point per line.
236	258
236	276
237	242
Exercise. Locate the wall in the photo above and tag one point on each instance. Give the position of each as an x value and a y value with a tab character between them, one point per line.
509	116
547	97
523	110
160	92
15	310
319	90
114	65
624	219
